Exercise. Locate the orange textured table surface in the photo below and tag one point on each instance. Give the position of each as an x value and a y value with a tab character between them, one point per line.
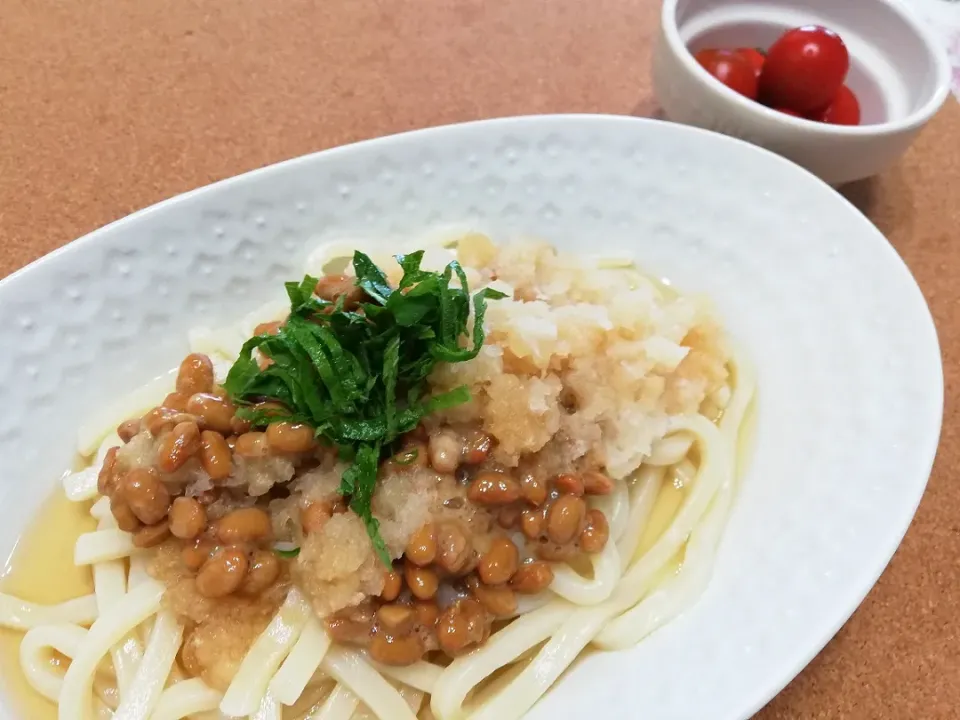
107	108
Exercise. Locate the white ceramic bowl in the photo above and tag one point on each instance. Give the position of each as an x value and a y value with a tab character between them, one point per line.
898	70
850	382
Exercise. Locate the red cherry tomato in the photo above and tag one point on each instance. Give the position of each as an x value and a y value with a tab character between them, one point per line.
754	57
843	110
731	69
804	69
788	111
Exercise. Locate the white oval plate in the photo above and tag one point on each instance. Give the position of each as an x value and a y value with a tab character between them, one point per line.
850	381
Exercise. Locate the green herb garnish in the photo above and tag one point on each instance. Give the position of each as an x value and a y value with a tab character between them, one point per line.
287	553
358	376
407	457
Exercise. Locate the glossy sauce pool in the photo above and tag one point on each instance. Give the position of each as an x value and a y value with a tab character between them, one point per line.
40	569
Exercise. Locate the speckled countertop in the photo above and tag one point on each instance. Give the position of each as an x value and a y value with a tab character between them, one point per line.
107	110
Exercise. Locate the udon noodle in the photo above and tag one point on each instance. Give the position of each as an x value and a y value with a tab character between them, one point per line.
666	516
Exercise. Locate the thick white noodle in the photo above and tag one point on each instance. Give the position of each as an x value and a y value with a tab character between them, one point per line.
105	688
502	648
135	607
670	450
82	485
350	669
615	508
738	402
323	254
413	699
268	312
683	474
648	482
714	469
339	705
101	545
18	614
35	648
270	708
221	345
607	565
529	603
721	396
110	585
421	675
90	435
100	510
158	658
263	659
572	586
680	591
300	665
209	715
139	573
665	602
536	678
186	698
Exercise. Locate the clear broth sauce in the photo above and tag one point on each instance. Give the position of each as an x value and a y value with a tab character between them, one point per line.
40	569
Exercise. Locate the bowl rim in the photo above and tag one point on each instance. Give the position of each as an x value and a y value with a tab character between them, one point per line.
761	693
915	119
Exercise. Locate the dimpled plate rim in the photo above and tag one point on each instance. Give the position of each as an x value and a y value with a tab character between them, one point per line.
851	385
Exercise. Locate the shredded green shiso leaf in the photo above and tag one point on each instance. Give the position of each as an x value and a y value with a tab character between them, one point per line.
287	551
358	376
